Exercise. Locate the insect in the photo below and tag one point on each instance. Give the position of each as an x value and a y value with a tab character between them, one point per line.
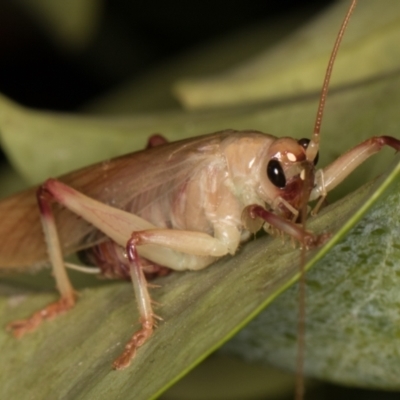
195	201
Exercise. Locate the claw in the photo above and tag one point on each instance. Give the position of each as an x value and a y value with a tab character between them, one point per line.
137	340
21	327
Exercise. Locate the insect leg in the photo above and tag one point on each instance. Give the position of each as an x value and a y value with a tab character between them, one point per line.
164	247
145	310
256	212
67	294
119	230
194	243
336	172
118	225
156	140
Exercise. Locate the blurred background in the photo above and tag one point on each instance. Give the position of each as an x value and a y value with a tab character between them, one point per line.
89	54
61	55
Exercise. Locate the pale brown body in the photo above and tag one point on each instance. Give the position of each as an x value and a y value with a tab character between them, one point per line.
167	186
169	193
200	184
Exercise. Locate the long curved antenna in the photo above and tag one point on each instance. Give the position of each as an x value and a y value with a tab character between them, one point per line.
313	146
311	153
301	322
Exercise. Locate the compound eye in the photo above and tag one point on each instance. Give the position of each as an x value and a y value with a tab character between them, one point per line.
304	143
275	174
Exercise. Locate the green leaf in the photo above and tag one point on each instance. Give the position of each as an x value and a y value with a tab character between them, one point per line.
296	66
201	310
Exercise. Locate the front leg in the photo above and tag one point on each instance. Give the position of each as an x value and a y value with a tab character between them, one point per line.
336	172
254	216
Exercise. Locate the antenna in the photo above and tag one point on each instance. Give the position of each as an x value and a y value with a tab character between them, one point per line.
313	146
311	153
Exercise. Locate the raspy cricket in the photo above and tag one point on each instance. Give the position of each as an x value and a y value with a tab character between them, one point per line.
196	201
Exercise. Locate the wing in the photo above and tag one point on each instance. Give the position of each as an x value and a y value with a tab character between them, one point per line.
118	182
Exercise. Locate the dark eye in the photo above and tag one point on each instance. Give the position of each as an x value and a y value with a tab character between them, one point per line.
275	174
304	143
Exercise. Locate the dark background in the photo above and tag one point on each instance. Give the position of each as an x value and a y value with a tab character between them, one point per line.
133	36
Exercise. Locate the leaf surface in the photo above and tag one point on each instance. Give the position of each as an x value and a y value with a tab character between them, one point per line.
200	309
352	306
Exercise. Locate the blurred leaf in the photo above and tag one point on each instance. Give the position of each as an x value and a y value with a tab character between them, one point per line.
42	144
72	23
10	181
298	64
151	90
222	377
